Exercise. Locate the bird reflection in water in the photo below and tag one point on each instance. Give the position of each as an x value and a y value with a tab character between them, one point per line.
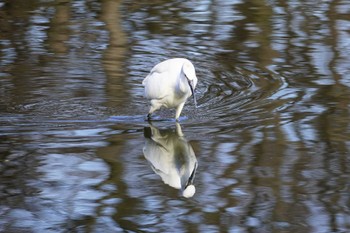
171	157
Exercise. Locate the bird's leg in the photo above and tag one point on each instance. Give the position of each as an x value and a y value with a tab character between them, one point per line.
149	116
178	130
178	111
154	106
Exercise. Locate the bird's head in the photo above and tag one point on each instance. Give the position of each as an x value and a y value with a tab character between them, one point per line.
189	191
190	73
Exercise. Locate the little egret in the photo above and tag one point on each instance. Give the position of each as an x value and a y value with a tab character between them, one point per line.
169	84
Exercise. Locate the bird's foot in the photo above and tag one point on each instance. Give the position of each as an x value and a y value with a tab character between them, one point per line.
148	117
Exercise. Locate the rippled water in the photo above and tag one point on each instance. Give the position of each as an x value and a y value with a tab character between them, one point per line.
270	137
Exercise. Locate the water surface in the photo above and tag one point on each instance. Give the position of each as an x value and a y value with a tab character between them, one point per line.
271	132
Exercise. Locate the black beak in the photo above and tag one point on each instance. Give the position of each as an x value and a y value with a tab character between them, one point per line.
191	178
190	83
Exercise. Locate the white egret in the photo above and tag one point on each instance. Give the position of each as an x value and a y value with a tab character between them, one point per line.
171	157
169	84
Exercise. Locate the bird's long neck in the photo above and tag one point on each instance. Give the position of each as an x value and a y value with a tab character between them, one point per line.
183	83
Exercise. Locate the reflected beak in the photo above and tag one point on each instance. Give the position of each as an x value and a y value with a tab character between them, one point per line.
190	83
191	178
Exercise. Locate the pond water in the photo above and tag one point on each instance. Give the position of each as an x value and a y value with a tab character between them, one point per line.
268	144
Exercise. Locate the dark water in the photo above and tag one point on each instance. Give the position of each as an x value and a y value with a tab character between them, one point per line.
271	133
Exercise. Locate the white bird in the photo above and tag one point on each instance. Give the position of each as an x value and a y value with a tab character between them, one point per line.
169	84
171	157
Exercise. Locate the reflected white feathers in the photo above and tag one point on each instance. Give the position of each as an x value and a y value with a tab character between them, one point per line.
171	157
169	84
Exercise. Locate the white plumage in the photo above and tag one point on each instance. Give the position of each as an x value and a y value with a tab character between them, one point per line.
169	84
172	158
